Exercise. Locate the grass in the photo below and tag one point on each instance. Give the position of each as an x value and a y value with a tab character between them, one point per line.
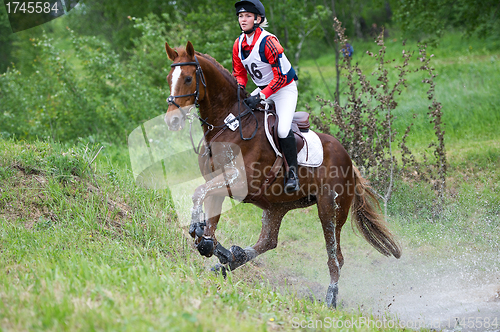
466	85
82	248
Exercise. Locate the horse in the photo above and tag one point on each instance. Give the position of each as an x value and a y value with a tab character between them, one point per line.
336	187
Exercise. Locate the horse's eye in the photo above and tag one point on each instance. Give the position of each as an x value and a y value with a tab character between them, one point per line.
188	80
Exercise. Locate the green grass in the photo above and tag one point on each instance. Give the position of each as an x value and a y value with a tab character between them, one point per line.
82	248
466	86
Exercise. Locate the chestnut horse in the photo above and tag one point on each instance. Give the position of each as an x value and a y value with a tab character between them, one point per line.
335	187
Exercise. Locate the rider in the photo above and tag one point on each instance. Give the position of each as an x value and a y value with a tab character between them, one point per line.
259	53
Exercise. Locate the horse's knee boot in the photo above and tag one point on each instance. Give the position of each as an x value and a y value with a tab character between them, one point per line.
196	229
206	247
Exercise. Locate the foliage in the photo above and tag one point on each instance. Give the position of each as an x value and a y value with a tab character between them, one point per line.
430	19
364	124
46	103
107	98
6	39
110	21
436	172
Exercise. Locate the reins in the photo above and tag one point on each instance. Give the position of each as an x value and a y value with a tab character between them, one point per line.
240	115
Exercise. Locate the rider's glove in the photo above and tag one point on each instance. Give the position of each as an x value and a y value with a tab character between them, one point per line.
253	101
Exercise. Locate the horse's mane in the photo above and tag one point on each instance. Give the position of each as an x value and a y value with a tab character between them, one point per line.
227	75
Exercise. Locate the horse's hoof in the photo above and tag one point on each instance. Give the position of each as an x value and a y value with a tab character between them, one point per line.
331	295
240	257
219	268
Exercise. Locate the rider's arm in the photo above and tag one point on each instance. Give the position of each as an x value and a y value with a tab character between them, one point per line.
272	51
239	70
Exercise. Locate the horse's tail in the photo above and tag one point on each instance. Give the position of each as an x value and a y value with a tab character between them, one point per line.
369	221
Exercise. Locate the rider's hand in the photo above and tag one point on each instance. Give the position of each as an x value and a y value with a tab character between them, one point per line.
253	101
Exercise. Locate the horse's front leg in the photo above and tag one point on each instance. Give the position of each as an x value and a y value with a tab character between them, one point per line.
206	242
203	230
211	195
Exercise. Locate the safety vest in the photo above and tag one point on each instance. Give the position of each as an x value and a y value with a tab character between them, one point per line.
258	66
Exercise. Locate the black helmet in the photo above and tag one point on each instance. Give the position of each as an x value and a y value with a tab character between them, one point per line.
251	6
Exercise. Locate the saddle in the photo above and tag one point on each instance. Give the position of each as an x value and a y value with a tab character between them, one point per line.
300	124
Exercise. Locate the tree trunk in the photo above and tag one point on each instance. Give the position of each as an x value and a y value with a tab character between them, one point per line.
355	20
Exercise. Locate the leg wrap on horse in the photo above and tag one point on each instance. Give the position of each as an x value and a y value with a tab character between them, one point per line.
289	148
205	245
197	229
239	257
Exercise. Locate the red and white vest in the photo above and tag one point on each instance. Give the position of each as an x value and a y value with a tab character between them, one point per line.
258	66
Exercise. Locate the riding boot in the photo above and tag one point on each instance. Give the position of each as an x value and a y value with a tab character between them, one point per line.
289	148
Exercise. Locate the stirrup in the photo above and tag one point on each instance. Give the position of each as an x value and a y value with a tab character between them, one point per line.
292	183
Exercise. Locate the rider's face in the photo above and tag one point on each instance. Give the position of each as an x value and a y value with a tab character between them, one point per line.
246	20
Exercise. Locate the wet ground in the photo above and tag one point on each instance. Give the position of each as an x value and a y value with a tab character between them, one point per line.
446	279
425	288
433	290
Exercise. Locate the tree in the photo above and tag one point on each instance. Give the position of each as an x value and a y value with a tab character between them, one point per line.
430	18
6	40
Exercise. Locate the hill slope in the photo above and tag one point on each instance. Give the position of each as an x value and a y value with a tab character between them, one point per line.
82	248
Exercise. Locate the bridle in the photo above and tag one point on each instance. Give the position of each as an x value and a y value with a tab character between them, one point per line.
188	115
199	77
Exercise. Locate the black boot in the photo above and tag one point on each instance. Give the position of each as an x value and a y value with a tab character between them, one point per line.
289	149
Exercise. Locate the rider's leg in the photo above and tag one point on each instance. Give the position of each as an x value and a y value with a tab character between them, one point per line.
286	102
289	148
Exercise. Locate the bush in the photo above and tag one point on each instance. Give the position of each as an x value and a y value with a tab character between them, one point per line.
86	91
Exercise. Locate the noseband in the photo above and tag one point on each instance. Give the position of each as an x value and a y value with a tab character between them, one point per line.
199	77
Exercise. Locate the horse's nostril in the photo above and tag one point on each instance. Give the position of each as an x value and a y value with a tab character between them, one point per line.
175	121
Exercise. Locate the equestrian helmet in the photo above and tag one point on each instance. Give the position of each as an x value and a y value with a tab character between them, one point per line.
251	6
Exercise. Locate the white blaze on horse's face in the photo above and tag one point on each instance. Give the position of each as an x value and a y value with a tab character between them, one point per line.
175	78
175	117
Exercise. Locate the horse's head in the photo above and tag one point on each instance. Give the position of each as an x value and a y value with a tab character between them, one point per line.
187	85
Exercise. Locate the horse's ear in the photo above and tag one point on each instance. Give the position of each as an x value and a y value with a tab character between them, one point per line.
172	54
190	49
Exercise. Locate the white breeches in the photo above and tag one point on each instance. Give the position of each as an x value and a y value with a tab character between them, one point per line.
286	103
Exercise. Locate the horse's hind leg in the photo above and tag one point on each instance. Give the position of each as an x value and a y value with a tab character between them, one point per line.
332	218
271	222
268	239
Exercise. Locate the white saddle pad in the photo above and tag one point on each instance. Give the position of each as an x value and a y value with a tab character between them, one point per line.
312	153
